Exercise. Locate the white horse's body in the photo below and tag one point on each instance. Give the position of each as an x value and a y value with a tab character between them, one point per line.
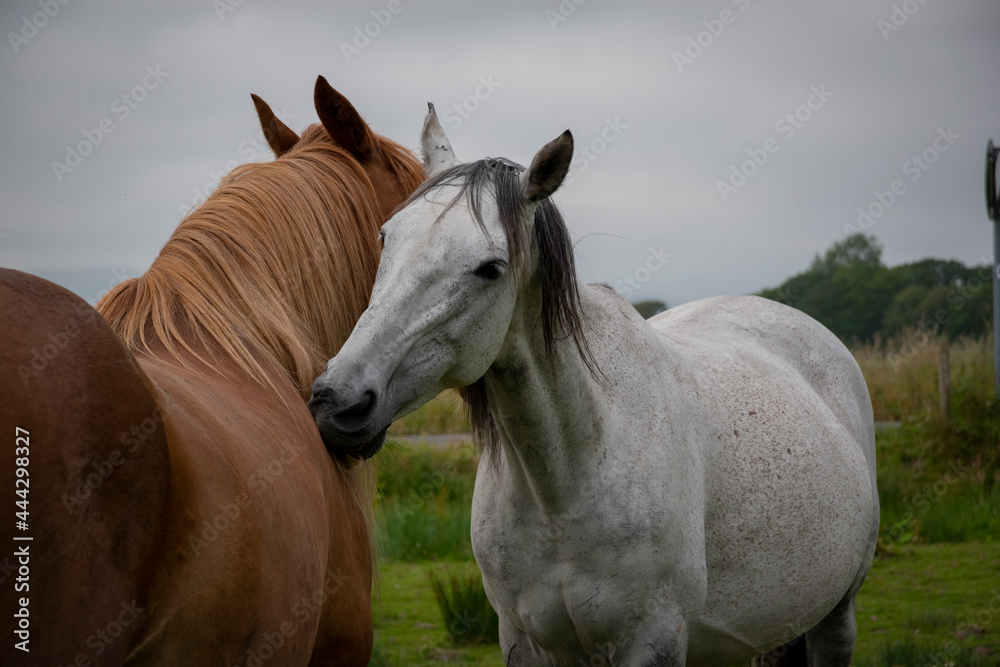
721	476
695	489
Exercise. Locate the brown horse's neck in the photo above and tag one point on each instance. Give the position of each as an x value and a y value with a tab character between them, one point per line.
244	282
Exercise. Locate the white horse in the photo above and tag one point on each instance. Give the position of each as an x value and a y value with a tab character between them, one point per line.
693	489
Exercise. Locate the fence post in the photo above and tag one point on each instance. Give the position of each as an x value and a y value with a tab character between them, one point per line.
944	380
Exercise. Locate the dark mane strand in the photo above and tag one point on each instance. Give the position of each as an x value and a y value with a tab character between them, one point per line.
561	315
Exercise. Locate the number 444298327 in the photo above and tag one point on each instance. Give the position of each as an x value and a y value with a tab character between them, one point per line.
21	453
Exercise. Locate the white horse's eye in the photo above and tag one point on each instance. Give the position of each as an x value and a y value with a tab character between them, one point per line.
490	270
381	238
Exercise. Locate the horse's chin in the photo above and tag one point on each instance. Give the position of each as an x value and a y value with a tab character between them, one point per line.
353	448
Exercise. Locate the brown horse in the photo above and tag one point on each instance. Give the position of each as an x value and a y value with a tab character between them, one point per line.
186	510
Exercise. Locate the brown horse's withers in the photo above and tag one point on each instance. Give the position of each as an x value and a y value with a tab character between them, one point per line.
257	547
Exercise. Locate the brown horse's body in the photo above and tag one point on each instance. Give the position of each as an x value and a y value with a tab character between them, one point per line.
249	485
224	532
95	505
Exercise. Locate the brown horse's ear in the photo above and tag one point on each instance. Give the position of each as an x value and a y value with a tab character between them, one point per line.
342	121
278	135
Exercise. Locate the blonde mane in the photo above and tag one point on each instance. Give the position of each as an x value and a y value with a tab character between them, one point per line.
279	262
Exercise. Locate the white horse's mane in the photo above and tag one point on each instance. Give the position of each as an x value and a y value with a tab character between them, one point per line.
561	314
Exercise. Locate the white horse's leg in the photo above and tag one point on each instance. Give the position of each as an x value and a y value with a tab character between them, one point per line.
831	642
514	645
659	640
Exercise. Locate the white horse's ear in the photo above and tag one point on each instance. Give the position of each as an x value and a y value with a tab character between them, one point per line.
438	154
548	168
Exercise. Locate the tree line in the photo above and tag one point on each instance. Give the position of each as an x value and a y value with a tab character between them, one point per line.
855	295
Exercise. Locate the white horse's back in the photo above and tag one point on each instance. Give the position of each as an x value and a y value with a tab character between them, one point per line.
791	509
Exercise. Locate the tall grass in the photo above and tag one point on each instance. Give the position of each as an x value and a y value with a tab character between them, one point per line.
425	502
902	372
413	535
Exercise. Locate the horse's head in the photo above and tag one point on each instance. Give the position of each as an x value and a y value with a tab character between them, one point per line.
456	262
382	160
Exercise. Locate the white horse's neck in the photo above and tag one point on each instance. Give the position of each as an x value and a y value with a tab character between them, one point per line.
550	424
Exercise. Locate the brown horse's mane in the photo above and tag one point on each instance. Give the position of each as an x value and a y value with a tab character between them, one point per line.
277	263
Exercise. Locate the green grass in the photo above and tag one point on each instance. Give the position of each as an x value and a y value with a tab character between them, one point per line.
409	629
934	600
927	496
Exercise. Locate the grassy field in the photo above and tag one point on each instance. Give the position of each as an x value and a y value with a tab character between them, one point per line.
932	597
940	602
936	599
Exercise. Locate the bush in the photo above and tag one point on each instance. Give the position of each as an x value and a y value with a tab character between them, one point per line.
465	609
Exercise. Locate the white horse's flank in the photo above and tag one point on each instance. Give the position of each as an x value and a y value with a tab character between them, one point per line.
707	495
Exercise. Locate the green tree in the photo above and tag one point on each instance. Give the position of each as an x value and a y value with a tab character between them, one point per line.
855	250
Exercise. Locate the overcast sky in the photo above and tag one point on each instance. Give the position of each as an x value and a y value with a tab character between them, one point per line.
839	103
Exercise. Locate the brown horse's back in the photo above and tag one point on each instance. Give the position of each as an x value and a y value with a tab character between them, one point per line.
98	478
